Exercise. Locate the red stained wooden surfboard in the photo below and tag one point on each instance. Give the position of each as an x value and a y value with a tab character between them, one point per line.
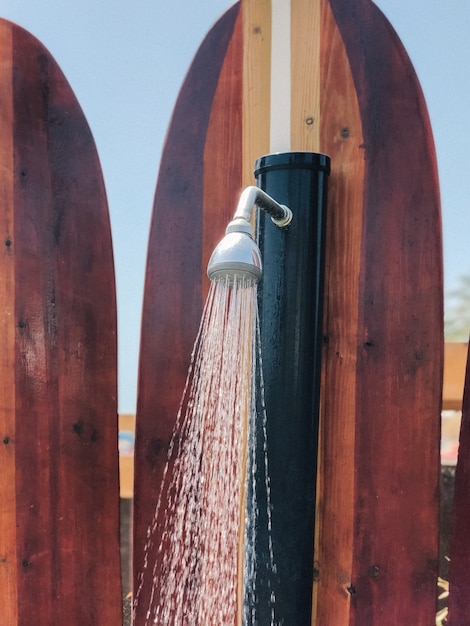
59	506
459	599
346	89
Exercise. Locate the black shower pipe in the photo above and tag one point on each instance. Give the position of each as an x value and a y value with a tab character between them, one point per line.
290	300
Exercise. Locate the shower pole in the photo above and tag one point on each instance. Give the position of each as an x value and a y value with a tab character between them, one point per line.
290	298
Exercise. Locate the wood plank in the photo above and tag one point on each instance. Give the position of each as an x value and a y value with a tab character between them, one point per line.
339	110
305	72
256	83
455	358
62	424
223	151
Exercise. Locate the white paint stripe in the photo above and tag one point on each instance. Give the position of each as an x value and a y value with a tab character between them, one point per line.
280	125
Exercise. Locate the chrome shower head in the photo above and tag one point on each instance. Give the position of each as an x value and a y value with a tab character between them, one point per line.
237	255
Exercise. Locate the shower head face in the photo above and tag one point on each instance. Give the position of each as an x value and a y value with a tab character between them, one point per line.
236	258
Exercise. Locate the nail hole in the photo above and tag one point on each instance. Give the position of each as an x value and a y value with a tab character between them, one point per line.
316	574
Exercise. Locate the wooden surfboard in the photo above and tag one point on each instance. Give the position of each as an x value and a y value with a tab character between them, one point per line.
59	507
325	76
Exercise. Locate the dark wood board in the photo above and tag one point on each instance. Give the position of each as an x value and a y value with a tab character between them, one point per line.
59	486
353	95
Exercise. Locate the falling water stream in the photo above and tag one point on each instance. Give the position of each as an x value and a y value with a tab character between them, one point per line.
207	504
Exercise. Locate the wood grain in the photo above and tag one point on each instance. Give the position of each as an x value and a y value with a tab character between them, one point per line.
256	83
59	421
400	336
339	110
305	73
379	461
223	150
8	550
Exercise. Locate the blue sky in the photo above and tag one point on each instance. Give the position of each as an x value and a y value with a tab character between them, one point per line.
126	60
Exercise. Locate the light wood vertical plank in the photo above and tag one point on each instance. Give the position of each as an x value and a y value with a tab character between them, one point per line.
256	83
305	76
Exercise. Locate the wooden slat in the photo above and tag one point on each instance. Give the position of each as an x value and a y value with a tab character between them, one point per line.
223	150
305	73
339	110
36	383
455	358
256	83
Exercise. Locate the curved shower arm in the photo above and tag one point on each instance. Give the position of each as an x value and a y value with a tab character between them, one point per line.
251	196
237	255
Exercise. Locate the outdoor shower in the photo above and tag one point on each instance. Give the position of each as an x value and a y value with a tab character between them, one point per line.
290	300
